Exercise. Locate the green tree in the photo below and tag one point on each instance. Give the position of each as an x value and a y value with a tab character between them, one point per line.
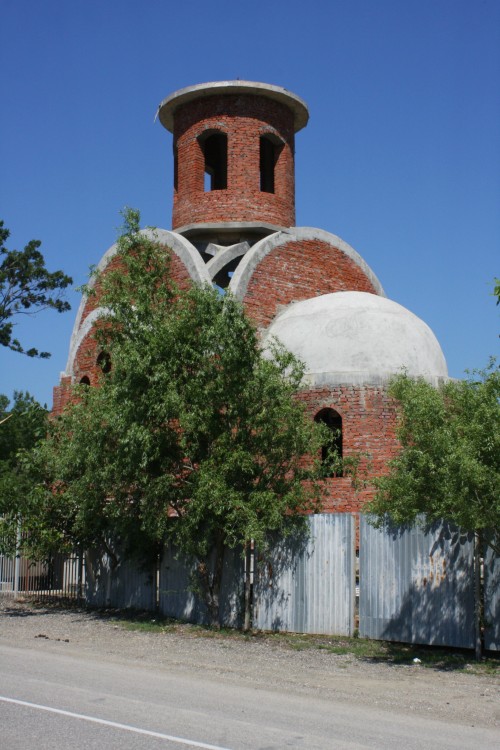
193	434
21	428
26	288
449	463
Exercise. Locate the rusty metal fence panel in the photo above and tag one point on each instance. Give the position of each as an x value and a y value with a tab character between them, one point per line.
492	600
179	598
125	586
417	586
308	585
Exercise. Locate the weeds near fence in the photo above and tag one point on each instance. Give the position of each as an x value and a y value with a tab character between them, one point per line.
347	649
362	649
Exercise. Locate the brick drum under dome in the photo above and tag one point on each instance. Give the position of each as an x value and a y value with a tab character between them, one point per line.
233	225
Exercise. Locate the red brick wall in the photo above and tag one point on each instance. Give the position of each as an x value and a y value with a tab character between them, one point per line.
244	119
297	271
178	272
369	431
61	395
85	363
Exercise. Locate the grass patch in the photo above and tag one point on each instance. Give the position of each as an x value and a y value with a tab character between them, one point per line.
362	649
148	627
392	654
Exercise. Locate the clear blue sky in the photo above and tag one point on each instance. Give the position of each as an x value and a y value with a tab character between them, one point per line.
401	157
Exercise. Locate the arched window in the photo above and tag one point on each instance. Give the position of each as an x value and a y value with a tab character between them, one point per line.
85	380
214	147
270	149
331	451
104	362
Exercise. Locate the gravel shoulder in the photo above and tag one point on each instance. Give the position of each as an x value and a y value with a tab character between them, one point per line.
266	664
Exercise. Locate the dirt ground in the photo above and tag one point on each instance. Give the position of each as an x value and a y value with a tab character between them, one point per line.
462	696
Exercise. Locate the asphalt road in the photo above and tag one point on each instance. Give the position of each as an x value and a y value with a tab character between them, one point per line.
84	702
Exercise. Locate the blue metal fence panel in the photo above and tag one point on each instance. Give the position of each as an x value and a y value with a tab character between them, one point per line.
492	600
416	584
307	585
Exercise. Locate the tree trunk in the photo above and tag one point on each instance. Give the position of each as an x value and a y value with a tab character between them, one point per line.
211	582
113	562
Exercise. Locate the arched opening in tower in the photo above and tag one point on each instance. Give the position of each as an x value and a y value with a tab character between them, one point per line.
270	149
214	148
331	451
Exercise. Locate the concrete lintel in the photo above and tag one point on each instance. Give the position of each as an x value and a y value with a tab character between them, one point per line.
227	226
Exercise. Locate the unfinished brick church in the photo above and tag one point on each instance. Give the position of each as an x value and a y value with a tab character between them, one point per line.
233	224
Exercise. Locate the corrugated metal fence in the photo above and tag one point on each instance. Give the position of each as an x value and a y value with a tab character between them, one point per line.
492	600
415	585
307	585
177	589
122	585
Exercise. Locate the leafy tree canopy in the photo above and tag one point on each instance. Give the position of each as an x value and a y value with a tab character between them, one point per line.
21	428
26	288
449	464
193	434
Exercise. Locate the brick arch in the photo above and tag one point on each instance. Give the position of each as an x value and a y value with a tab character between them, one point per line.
298	264
84	360
187	267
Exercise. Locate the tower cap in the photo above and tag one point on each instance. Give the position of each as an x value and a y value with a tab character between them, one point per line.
168	106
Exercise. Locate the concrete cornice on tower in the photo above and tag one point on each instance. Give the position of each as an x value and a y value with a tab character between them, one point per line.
167	108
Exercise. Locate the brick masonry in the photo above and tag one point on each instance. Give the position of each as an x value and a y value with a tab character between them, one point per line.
244	119
293	271
369	419
298	271
85	362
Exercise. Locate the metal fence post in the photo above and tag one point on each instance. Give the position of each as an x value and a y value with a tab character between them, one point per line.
17	564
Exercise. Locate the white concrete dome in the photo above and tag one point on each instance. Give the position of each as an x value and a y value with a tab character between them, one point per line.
356	338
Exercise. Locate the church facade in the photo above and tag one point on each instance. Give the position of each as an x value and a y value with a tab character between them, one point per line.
233	225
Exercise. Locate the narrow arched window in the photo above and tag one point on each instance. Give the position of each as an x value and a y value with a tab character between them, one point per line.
331	451
214	149
104	362
268	158
85	380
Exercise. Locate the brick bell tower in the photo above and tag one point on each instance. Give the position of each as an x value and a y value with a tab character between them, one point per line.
234	173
